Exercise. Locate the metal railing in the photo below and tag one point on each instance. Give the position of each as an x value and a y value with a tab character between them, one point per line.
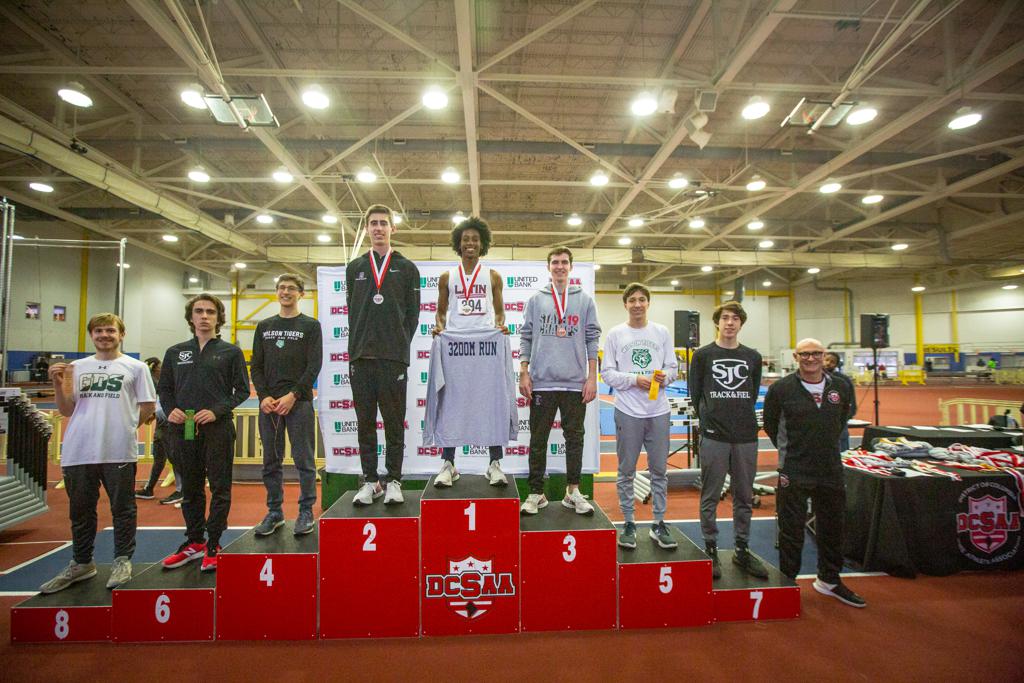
961	411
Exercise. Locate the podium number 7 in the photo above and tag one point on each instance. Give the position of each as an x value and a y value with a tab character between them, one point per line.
757	597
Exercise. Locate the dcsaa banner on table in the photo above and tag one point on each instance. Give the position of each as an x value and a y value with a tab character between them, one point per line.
337	413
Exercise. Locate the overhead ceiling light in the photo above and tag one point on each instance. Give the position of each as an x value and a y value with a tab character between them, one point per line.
574	220
813	271
766	244
918	288
193	279
450	176
192	95
397	218
458	218
678	182
329	218
965	118
830	187
435	98
624	241
645	104
706	269
696	223
41	187
240	266
674	283
755	224
756	184
282	175
597	266
17	237
755	108
767	283
636	222
899	246
1009	286
170	238
74	93
873	198
599	179
126	265
199	175
861	115
265	219
365	175
314	97
323	237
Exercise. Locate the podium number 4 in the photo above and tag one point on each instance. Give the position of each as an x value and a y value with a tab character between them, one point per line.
665	580
757	597
370	531
267	573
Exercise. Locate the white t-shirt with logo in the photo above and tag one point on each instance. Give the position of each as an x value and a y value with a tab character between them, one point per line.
630	352
474	312
103	427
816	390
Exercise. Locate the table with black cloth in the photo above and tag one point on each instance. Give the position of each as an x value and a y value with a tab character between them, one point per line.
945	436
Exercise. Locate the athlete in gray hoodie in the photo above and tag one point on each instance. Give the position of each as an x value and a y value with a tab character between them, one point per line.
558	374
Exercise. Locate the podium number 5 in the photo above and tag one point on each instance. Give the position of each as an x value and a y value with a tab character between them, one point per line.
757	597
267	573
61	628
163	608
570	548
370	531
665	580
470	512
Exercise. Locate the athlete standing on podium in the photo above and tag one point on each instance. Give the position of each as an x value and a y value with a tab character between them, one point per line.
383	290
469	298
558	375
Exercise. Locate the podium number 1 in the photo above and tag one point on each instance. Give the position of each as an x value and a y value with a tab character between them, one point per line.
267	573
665	580
470	512
370	531
757	597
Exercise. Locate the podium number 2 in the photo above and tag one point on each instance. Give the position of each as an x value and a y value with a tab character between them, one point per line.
267	573
665	580
163	608
757	597
370	531
470	512
61	628
570	548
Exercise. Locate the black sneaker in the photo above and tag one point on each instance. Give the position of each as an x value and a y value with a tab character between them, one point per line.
748	562
304	524
271	523
175	497
627	539
716	566
144	493
840	592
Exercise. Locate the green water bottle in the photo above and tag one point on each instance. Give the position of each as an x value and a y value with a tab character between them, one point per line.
190	425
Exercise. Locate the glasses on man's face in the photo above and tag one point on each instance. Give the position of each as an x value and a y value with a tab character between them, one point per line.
810	354
287	288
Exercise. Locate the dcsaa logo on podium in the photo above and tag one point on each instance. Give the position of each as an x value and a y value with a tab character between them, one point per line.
470	586
988	523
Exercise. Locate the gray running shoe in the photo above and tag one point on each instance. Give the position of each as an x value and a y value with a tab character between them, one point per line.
304	523
748	562
120	573
627	539
659	532
73	573
716	566
270	524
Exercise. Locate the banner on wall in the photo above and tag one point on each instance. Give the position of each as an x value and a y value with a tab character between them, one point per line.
337	414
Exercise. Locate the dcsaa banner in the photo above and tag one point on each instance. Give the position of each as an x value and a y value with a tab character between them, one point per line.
520	281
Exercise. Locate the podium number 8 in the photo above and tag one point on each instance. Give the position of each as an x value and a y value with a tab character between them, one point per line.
470	512
163	608
370	531
61	627
757	597
665	580
570	548
267	573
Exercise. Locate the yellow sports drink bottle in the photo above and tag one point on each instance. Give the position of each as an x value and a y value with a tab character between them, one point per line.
655	385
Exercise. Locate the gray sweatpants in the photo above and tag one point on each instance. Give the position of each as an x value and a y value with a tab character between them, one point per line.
651	434
739	461
301	426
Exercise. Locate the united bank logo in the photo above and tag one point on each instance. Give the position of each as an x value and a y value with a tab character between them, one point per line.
988	523
557	449
476	450
425	330
429	282
339	333
424	377
338	285
345	427
470	587
521	281
513	328
340	379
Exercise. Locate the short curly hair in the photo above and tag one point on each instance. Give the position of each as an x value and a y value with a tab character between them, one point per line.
472	223
205	296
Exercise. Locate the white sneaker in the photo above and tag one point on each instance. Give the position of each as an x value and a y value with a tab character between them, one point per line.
578	502
368	492
394	494
447	476
534	502
495	477
120	573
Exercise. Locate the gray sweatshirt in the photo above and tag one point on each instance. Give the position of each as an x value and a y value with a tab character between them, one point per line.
558	362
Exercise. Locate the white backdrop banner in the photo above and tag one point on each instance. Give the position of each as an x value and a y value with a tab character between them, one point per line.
334	398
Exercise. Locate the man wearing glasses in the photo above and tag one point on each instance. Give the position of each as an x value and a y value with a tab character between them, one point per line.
287	351
803	415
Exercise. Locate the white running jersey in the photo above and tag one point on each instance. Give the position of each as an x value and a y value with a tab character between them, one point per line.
474	312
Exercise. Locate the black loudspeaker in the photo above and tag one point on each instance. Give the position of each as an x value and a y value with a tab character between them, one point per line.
687	329
874	330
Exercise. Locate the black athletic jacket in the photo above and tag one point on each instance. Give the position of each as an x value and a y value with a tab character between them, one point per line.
807	436
382	330
214	379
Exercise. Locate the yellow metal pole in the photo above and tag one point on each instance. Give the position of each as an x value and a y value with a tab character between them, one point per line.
792	321
234	310
846	317
83	301
954	328
919	329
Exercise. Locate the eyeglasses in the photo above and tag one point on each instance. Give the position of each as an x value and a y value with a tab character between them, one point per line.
287	288
810	354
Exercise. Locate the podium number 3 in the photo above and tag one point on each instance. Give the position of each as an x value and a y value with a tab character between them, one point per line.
163	608
370	531
470	512
757	597
267	573
665	580
61	627
570	548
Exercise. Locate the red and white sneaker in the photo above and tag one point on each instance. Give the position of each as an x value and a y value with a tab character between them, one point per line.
210	560
186	553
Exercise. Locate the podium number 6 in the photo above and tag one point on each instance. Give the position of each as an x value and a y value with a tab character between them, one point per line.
163	608
61	628
757	597
570	548
470	512
267	573
370	531
665	580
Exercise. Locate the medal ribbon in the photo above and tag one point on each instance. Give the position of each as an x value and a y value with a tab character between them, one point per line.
560	304
379	275
462	276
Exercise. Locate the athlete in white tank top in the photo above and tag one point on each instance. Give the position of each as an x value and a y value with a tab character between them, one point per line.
474	310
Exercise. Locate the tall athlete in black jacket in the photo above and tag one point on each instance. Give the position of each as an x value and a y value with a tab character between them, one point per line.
383	289
803	415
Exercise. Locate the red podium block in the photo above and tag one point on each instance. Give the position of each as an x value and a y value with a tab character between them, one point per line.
569	576
266	587
469	558
165	605
660	587
80	613
741	597
378	541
